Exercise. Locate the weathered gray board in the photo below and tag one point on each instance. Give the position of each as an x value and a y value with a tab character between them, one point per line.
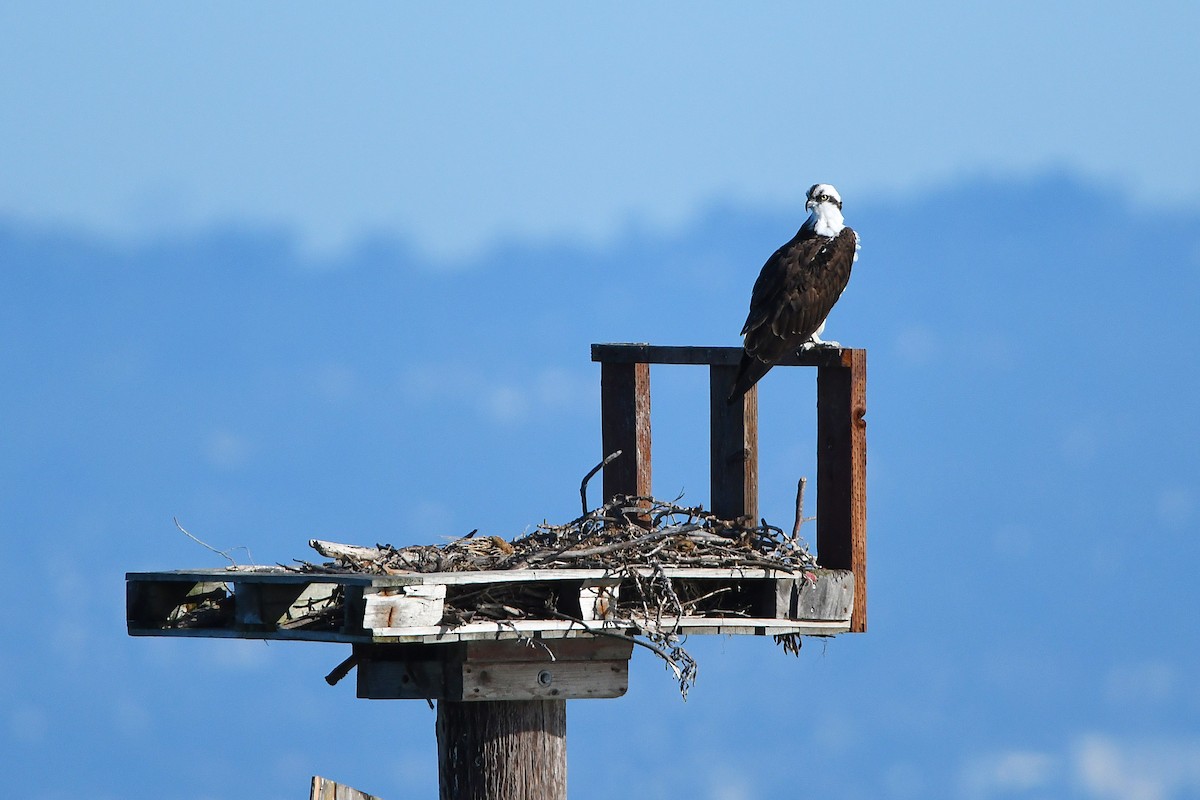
325	789
271	603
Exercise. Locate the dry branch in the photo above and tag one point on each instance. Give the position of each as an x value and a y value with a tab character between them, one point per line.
583	484
613	537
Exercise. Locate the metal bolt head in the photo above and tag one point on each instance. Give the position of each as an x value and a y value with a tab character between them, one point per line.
545	678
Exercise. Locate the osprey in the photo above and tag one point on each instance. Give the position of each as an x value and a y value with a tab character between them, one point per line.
796	289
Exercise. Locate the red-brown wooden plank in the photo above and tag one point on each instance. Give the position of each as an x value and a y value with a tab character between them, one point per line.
625	426
842	473
733	445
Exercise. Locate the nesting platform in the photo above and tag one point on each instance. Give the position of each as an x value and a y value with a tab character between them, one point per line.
410	639
406	648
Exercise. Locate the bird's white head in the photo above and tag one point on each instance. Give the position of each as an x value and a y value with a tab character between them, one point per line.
825	205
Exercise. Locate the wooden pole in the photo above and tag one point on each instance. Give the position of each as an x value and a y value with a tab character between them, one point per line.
502	750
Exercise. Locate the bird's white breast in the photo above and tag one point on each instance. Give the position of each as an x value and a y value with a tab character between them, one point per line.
829	220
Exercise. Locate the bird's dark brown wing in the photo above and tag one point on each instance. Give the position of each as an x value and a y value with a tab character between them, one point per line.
794	293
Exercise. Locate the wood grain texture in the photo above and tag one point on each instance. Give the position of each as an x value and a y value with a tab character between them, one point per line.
475	671
503	750
842	473
733	447
830	598
529	680
325	789
625	426
154	603
403	606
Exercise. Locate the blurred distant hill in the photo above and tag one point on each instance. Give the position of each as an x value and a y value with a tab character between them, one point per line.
1032	441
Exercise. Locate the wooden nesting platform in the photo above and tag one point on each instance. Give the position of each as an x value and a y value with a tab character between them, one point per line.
561	633
410	643
407	609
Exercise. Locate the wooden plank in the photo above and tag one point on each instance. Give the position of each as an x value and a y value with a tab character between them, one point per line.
534	575
483	576
841	473
831	599
625	426
550	629
733	447
517	629
781	603
403	606
508	669
412	679
618	353
153	605
599	648
559	680
598	598
325	789
256	575
284	634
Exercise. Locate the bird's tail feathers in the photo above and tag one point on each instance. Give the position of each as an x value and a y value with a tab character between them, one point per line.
750	369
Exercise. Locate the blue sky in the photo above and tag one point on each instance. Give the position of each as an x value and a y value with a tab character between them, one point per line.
336	275
459	128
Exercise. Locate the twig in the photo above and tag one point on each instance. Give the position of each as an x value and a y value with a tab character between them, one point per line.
221	553
653	648
608	548
800	518
608	459
702	597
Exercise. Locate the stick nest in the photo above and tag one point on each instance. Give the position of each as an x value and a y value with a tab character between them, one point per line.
626	532
632	538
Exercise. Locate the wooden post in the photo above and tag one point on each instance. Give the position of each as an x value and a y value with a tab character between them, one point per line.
502	750
625	426
733	444
842	473
325	789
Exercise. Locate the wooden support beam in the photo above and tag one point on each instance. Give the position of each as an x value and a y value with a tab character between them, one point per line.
705	356
733	444
842	473
502	750
625	426
482	671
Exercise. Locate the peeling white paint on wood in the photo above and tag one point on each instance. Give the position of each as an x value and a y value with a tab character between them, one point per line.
404	606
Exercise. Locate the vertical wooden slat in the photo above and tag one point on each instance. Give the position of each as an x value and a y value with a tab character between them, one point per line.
842	473
733	446
625	426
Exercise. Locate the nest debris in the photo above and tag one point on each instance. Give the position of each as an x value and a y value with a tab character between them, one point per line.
632	538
